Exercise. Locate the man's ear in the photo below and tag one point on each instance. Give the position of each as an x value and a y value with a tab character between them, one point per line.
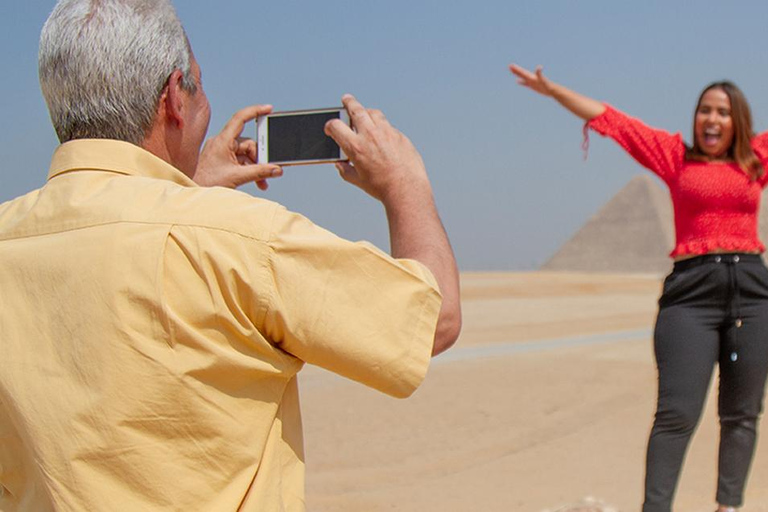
173	100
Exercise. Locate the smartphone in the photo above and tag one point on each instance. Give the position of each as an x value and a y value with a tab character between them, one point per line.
298	137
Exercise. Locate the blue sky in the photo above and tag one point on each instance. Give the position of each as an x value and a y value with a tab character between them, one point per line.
506	165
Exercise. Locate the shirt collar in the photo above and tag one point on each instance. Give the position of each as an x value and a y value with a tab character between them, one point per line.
113	156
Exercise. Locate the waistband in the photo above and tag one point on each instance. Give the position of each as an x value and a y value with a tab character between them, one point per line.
731	258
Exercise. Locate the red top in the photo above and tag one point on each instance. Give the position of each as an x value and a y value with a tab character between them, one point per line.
715	204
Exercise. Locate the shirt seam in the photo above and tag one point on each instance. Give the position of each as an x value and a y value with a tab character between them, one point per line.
424	322
269	303
170	225
165	316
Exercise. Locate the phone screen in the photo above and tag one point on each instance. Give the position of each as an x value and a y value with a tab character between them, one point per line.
298	137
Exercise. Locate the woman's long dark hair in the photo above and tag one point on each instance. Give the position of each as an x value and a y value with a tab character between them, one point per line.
741	150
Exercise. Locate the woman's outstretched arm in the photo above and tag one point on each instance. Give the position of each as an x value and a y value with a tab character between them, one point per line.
657	150
582	106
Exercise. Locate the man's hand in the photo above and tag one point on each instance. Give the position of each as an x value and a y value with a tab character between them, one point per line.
383	160
229	160
385	164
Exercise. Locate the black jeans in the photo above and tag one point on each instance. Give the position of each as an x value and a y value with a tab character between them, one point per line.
714	309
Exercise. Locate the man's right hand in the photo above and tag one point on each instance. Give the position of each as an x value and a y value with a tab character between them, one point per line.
383	162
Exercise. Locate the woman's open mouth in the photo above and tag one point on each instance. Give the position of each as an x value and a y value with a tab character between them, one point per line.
712	136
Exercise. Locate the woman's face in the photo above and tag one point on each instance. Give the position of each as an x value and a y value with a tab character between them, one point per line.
714	124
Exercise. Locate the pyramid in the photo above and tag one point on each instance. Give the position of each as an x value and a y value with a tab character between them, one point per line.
633	232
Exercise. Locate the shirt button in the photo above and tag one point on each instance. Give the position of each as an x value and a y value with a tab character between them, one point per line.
739	323
718	259
736	258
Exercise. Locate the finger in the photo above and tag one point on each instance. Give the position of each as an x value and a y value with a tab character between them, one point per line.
245	160
357	113
235	125
262	184
520	72
247	147
347	172
256	172
344	136
377	116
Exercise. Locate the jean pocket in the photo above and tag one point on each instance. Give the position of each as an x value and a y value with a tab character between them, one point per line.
686	284
758	279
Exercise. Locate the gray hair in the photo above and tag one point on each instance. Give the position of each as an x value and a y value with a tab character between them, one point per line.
103	65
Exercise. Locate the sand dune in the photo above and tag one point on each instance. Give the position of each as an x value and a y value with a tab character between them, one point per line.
545	402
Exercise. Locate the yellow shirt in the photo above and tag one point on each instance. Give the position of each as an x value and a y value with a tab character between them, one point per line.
151	332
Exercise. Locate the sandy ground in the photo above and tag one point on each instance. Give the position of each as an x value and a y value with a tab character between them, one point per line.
545	401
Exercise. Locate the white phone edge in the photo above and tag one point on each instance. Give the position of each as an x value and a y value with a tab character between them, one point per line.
262	136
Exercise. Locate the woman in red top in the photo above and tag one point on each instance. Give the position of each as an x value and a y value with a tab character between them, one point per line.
714	307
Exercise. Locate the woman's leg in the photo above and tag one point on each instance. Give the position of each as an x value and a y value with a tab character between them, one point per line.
742	384
686	343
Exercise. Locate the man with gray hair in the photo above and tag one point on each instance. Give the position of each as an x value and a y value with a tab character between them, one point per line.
154	319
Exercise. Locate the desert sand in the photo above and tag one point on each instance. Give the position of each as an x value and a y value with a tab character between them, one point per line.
546	401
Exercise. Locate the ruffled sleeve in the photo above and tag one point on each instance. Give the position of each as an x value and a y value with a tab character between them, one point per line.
657	150
760	147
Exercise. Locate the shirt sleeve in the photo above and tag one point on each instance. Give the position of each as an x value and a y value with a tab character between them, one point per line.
654	149
350	308
760	147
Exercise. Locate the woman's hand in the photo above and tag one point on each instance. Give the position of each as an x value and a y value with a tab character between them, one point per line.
580	105
535	81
